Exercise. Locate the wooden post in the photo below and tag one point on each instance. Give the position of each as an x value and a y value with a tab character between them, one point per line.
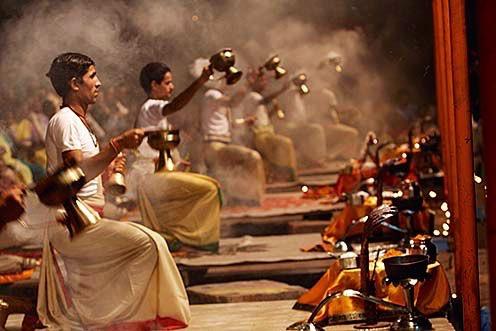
455	109
486	30
441	92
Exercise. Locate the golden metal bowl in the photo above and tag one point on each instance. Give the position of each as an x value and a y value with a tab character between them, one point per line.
163	139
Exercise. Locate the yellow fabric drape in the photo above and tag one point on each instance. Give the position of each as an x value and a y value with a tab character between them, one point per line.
181	206
277	152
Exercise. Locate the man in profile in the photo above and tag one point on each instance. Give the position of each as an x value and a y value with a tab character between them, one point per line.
117	274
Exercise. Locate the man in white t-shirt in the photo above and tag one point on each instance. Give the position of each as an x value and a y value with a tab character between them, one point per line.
308	138
239	169
277	151
116	274
184	207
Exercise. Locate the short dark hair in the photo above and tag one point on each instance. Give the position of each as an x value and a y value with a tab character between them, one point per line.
153	71
65	67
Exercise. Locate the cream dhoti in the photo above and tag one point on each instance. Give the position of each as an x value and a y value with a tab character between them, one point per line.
183	207
309	141
239	170
342	141
111	275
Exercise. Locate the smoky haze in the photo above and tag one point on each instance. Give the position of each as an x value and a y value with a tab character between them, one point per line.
122	36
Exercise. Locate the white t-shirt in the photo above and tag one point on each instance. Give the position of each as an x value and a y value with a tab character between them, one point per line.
297	113
67	132
215	115
252	105
150	115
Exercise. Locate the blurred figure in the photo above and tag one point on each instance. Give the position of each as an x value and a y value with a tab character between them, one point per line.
342	140
238	169
277	151
12	207
20	168
308	138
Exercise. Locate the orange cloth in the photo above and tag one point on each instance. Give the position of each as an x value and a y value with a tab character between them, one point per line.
430	295
340	223
11	278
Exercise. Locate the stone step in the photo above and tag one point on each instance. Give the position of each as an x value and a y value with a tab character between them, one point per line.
307	226
243	291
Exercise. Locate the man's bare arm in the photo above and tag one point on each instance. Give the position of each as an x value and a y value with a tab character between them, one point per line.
95	165
268	98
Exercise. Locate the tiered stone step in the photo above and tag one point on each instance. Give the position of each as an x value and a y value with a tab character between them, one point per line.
263	316
307	226
253	258
243	291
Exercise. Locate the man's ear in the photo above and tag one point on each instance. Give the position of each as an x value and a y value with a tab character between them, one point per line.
73	84
153	85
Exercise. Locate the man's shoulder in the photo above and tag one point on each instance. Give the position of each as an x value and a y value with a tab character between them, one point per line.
255	95
213	93
63	114
63	118
153	103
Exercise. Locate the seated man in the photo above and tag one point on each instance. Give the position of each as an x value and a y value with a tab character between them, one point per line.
308	138
342	139
12	206
239	169
277	151
183	207
114	274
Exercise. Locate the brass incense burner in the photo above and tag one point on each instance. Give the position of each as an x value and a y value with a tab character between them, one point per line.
300	81
224	61
274	64
61	188
406	271
164	141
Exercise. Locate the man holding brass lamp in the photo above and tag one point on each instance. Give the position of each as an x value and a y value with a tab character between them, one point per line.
239	169
117	274
277	151
184	207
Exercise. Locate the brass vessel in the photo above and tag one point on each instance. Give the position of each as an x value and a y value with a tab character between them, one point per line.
274	64
164	141
61	188
300	81
224	61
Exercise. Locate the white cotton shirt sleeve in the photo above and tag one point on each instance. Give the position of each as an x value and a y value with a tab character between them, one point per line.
67	132
253	106
150	114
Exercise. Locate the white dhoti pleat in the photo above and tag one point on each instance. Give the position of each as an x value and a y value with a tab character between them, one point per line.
111	273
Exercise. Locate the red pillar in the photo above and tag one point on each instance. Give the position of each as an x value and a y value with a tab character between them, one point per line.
454	110
466	221
486	30
440	70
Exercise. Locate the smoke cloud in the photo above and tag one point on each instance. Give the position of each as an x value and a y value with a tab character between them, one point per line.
123	35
